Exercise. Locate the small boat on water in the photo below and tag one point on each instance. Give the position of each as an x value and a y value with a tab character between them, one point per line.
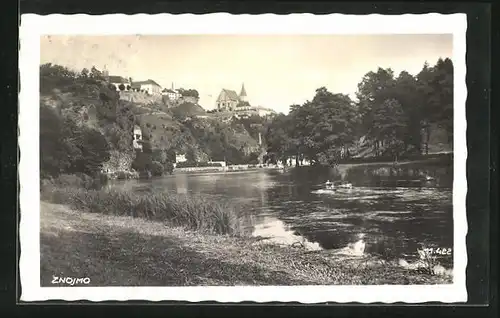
337	185
329	185
343	185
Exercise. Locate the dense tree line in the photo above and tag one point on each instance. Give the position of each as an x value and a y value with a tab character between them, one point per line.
53	76
393	115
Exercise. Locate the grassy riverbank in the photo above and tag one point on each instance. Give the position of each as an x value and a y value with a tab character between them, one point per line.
103	236
119	250
193	212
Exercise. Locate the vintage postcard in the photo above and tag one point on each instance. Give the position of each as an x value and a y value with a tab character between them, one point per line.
230	158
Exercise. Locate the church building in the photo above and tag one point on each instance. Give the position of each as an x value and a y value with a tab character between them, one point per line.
228	99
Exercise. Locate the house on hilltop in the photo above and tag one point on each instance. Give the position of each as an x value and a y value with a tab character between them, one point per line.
171	93
119	82
149	86
248	111
265	112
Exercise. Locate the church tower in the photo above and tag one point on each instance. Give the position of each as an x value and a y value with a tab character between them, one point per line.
243	93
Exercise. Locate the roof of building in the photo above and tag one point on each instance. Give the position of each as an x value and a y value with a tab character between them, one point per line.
149	81
231	94
243	91
117	79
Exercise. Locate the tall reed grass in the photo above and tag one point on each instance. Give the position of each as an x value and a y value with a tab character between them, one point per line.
193	212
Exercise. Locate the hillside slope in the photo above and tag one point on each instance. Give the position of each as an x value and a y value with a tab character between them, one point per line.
184	129
188	129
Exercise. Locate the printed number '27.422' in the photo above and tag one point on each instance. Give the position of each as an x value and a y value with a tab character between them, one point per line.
439	251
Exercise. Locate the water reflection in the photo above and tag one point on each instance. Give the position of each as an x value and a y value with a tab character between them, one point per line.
395	213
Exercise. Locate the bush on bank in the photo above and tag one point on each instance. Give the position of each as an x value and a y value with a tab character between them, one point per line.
193	212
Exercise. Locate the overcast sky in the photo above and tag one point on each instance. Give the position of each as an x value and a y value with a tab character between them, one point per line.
277	70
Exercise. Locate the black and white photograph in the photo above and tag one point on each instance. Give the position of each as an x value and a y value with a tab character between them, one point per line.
279	159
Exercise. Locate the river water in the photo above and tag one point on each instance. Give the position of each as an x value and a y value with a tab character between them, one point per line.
389	206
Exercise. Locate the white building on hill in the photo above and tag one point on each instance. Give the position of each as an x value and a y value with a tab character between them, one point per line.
137	138
247	111
171	93
149	86
180	158
117	81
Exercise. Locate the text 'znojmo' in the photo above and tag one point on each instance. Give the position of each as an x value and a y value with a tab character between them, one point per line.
70	280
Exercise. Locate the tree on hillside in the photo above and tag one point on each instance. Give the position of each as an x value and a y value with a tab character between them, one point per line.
53	76
191	155
142	162
96	74
277	137
121	87
84	73
323	129
336	127
54	70
147	147
253	125
435	93
442	99
94	151
406	93
55	150
189	93
109	97
390	121
303	118
118	134
424	90
373	91
165	158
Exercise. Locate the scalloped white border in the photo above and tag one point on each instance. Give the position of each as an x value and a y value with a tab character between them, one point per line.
33	26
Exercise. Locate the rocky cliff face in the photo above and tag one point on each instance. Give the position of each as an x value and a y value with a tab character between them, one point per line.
140	98
119	161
